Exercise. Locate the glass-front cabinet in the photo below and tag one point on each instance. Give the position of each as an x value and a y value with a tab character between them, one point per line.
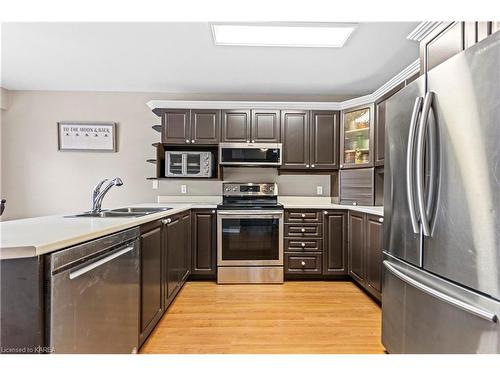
357	138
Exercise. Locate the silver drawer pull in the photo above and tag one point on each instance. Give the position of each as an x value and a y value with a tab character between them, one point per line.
166	221
213	211
302	230
303	244
100	262
303	215
381	219
302	263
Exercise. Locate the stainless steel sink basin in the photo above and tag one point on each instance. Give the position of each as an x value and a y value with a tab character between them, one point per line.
125	212
149	210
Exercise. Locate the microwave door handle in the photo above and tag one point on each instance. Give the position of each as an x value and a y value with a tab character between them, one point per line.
410	164
422	131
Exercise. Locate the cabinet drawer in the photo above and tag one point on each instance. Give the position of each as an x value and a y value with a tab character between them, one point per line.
303	264
303	230
303	216
303	244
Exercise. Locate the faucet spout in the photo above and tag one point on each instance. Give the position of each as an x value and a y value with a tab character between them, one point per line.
98	194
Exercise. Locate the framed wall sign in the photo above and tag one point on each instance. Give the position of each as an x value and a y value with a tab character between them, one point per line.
87	136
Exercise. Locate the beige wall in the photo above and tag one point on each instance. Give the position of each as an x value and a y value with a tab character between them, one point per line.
37	179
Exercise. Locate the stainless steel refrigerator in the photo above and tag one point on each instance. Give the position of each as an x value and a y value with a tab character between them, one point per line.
441	286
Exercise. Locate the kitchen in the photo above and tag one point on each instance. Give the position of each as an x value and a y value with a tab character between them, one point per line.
306	219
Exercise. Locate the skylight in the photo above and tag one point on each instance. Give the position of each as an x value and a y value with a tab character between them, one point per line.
323	35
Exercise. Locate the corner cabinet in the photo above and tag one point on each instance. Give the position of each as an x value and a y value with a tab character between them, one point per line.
356	139
204	242
310	140
365	252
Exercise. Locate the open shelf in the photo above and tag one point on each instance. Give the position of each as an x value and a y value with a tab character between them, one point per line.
356	130
157	128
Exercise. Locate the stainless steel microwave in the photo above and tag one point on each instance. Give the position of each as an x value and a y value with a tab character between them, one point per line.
189	164
250	154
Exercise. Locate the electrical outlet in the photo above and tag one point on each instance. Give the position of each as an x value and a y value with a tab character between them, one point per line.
155	184
184	189
319	190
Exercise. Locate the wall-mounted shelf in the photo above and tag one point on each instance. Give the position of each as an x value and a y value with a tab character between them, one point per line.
157	128
152	161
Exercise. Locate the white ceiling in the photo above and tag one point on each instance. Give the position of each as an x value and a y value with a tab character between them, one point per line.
181	57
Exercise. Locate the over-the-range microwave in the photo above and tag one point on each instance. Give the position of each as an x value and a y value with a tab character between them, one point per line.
250	154
189	164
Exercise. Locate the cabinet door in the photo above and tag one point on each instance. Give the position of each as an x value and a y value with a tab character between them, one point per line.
173	240
175	126
436	49
235	126
295	138
324	142
374	255
335	243
356	246
151	281
205	126
357	186
185	249
356	139
379	132
265	126
204	237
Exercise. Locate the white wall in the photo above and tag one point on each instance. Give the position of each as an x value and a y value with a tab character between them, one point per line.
37	179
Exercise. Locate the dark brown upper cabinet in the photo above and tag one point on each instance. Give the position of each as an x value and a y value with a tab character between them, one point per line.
295	138
175	126
356	137
235	126
205	126
310	139
196	126
204	242
265	126
335	243
324	144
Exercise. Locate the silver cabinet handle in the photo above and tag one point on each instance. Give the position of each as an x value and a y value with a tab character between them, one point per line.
253	140
354	203
303	215
303	244
440	295
100	262
307	165
421	161
213	211
187	140
312	165
302	230
166	221
192	141
302	263
325	212
248	141
410	164
341	165
380	219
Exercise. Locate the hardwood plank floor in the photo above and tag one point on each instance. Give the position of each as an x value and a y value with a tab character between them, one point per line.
296	317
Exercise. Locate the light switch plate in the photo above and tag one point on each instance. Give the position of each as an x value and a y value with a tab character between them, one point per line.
319	190
183	189
155	184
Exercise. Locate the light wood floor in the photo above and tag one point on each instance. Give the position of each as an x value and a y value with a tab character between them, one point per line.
296	317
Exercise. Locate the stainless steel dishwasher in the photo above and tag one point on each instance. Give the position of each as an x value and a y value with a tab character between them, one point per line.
94	296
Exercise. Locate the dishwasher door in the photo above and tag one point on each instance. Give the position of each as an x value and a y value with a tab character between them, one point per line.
94	305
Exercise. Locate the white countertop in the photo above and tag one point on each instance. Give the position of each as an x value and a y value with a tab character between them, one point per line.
42	235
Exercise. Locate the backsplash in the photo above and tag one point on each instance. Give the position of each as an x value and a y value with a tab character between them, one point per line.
295	185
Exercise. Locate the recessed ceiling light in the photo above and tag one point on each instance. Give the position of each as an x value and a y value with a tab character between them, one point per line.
324	35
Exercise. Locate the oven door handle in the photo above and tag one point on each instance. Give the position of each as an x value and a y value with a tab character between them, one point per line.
248	213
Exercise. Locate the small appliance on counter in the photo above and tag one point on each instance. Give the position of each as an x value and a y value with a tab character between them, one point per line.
189	164
250	154
250	234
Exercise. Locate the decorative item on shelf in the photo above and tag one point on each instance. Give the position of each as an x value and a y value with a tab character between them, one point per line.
87	136
358	157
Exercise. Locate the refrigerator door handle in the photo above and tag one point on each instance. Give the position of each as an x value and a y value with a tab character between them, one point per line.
422	130
410	164
481	313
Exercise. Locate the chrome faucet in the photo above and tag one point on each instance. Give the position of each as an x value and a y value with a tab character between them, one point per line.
98	194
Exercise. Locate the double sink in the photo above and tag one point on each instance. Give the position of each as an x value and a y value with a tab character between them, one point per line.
124	212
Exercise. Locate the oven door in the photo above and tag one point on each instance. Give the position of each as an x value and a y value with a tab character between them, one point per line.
250	154
250	238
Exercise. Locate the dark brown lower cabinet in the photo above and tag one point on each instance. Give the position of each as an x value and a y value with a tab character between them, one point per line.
365	251
204	242
335	243
185	247
151	308
303	264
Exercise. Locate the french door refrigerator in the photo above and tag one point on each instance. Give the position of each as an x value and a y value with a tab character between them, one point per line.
441	286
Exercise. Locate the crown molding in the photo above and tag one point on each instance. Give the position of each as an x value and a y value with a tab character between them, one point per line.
407	72
423	29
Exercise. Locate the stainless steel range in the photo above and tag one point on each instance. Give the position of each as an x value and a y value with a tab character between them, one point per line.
250	234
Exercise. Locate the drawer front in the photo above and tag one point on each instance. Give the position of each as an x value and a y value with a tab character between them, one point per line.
303	230
303	264
303	216
303	244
